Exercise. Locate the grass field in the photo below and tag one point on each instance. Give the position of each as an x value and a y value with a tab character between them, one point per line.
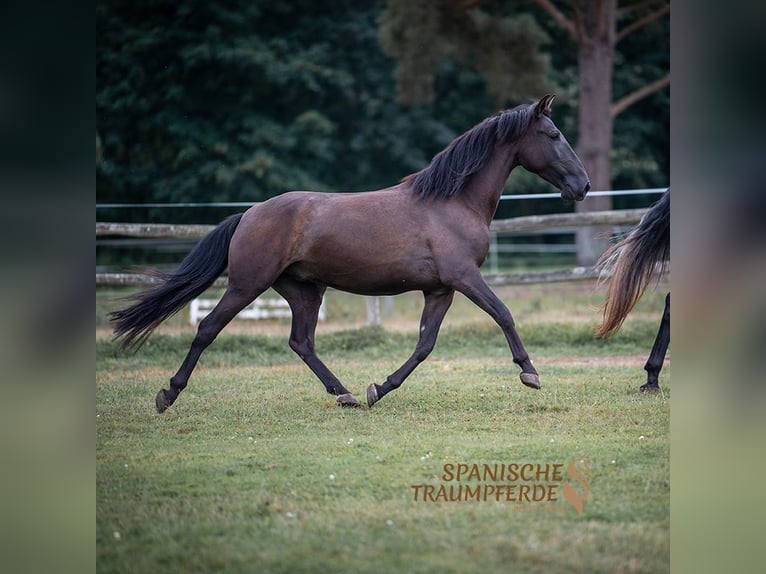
255	469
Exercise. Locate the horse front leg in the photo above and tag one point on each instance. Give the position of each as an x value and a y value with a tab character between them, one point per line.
436	306
659	349
472	285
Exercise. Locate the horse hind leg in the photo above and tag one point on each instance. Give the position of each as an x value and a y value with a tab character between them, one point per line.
436	306
305	299
232	302
657	355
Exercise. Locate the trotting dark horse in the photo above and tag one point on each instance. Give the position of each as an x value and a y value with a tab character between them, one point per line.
633	262
428	233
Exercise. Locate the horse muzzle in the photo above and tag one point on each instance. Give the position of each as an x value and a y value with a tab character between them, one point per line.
575	193
581	195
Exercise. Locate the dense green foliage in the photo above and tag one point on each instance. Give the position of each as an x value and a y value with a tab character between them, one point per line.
240	101
204	102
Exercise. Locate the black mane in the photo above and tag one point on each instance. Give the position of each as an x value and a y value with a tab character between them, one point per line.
450	169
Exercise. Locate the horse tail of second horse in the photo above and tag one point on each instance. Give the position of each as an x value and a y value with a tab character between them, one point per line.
199	269
633	262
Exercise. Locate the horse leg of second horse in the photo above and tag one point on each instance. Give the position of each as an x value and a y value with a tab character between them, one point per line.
659	349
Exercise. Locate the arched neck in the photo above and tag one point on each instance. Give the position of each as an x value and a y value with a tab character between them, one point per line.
482	194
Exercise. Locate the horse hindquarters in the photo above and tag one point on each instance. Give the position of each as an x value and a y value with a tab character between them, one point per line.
251	272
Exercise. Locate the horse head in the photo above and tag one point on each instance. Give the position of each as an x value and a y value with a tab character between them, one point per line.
544	150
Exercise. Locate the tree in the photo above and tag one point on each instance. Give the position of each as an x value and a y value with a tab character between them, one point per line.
596	27
421	33
505	49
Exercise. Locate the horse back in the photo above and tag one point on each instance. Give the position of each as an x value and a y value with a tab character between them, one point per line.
378	242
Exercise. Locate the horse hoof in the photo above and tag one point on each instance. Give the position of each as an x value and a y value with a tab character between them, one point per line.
530	379
649	388
372	395
162	402
348	400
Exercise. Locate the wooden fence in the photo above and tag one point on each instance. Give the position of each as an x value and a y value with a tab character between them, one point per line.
514	224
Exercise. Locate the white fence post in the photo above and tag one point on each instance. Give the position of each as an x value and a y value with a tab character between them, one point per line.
373	311
266	308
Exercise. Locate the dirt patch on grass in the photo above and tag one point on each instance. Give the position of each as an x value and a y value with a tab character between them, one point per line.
610	360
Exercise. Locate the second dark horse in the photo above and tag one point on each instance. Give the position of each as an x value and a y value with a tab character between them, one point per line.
633	262
428	233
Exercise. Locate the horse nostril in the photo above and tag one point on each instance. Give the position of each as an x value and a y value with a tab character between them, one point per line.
587	187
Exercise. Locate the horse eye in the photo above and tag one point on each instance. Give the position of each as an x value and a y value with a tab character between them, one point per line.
554	135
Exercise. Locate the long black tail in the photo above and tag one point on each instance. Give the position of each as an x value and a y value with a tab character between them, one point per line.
199	269
633	262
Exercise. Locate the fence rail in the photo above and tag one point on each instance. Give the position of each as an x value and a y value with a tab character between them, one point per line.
514	224
139	279
577	219
153	230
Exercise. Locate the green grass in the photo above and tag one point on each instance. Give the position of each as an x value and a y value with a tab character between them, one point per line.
255	469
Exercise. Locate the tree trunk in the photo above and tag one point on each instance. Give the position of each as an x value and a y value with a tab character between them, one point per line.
596	50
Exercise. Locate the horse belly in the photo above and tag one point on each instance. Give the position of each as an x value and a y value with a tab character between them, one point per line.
363	276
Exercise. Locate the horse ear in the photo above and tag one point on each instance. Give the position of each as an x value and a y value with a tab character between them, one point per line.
544	105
